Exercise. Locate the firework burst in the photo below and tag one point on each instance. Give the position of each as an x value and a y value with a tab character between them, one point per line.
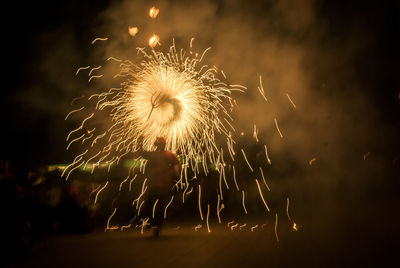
167	94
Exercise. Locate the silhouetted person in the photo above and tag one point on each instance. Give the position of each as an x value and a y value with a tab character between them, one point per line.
162	167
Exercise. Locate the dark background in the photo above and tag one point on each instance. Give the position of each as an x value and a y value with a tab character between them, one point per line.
350	204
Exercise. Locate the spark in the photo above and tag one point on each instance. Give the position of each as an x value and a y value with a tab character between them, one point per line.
218	211
153	12
74	140
94	190
255	133
244	206
166	207
126	226
208	213
261	89
287	209
245	158
294	105
133	30
234	226
312	161
141	204
109	219
234	177
80	127
99	39
154	40
81	68
94	69
144	224
74	111
95	76
294	227
277	127
266	154
154	207
265	183
97	195
276	227
201	213
254	227
223	74
115	59
262	197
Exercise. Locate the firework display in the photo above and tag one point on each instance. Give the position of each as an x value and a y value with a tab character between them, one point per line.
173	95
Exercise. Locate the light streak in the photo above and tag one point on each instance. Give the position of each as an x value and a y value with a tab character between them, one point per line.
263	225
97	195
234	226
229	223
277	127
265	182
218	211
261	89
244	206
234	178
276	227
109	219
115	59
312	161
99	39
141	204
294	227
266	154
74	140
254	227
198	226
208	213
294	105
366	155
133	31
144	224
169	203
126	226
201	213
80	127
95	76
81	68
245	158
241	226
153	12
144	187
94	190
287	209
262	197
94	69
255	133
176	228
154	207
223	74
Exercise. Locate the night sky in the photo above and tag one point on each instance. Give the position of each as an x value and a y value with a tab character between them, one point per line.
340	57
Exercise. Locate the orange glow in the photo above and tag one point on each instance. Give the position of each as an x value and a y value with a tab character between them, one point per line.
312	161
153	12
133	31
154	40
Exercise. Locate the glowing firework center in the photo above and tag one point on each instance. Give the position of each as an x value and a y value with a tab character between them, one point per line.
169	97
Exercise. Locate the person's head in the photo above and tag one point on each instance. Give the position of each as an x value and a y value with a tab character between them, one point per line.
160	143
